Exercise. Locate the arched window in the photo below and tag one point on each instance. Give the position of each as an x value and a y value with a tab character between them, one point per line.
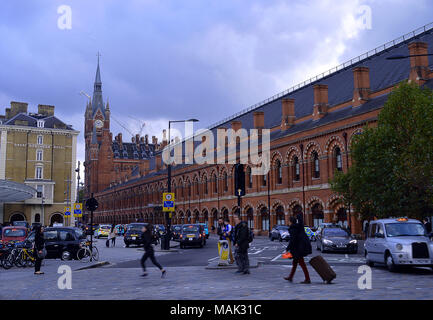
316	165
197	190
215	186
280	216
226	182
296	169
265	219
278	172
249	178
338	159
250	218
264	180
205	185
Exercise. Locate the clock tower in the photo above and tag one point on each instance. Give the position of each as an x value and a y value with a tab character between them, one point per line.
98	142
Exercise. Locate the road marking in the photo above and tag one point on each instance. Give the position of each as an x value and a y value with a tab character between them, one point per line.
276	257
347	256
213	258
257	252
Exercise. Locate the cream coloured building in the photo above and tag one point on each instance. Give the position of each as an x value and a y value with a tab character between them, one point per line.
39	150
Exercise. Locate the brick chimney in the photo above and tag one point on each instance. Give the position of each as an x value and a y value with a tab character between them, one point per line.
361	85
320	101
146	139
236	125
418	65
17	107
120	140
259	119
288	113
46	110
154	140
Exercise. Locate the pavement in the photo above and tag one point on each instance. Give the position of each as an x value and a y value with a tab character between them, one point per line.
187	278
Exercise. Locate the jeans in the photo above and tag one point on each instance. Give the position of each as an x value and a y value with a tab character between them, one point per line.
303	266
149	254
242	260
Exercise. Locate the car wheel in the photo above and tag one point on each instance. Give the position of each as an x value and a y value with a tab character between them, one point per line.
271	238
389	261
280	239
66	255
127	245
367	261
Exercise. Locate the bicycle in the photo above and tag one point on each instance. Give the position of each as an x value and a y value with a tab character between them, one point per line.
25	258
5	262
87	253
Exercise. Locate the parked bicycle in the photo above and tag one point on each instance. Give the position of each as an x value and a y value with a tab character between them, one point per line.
87	252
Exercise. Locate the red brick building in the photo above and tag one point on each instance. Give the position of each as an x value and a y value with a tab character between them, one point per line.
312	126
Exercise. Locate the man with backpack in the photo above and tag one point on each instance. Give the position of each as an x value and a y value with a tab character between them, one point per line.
241	239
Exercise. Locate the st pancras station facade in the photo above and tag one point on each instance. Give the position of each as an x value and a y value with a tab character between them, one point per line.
311	125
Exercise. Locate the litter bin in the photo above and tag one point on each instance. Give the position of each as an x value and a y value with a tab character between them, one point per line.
165	241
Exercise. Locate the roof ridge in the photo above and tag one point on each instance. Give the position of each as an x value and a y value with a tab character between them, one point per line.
374	52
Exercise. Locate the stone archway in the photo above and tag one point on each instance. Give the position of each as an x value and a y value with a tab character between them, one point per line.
56	218
17	216
317	214
279	215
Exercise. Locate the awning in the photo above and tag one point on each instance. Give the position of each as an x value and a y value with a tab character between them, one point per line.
11	191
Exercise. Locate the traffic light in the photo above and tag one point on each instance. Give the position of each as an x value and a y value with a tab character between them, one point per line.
239	180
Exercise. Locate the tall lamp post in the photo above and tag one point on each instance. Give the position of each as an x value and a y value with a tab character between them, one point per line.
301	146
166	241
77	198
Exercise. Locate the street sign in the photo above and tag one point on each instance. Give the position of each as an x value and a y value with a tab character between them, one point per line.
67	211
91	204
78	210
168	202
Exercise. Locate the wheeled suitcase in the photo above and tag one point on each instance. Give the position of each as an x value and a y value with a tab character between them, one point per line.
323	269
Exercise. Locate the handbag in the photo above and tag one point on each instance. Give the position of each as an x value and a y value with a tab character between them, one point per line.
287	255
43	254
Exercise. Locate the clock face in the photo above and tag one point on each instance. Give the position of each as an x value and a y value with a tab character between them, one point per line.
99	124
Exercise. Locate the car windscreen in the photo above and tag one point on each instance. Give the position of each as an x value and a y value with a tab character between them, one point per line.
14	233
190	229
329	232
135	228
404	229
20	223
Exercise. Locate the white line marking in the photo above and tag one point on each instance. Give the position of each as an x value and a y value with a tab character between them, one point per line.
213	258
276	257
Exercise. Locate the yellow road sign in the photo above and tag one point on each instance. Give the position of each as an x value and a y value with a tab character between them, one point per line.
168	201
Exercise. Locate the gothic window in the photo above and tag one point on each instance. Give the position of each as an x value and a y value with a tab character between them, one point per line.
215	180
264	180
278	172
338	159
249	177
316	166
296	169
226	182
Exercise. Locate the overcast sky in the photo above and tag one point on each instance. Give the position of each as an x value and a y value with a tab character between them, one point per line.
178	59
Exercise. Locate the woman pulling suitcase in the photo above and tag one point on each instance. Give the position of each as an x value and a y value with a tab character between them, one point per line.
299	246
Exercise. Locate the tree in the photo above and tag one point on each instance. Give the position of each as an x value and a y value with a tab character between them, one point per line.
392	170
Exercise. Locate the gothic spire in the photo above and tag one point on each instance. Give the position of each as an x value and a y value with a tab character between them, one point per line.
97	101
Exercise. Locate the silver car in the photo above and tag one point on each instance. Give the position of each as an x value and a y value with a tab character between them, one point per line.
398	242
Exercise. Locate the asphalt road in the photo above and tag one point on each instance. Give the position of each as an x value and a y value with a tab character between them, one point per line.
262	249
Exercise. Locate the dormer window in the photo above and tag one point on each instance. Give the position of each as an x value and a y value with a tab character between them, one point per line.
41	123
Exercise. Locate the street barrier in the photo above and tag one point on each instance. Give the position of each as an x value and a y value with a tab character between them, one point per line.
223	252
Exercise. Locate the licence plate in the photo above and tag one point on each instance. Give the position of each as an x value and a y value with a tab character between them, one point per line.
133	238
134	235
190	236
341	246
422	261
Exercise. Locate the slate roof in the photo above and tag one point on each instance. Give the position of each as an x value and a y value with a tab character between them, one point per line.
383	74
32	119
131	151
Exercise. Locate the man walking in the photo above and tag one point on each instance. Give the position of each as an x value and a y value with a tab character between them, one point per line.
227	235
220	229
427	225
241	243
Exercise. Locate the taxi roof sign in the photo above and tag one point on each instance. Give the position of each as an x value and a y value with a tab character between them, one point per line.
402	219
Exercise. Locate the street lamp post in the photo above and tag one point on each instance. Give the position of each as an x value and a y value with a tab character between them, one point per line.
166	241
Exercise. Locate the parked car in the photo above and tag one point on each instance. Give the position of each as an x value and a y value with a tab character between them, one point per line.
14	234
280	233
61	242
398	242
336	239
133	233
103	230
206	229
325	225
192	234
21	224
175	232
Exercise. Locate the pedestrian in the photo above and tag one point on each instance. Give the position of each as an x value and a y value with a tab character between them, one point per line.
366	226
113	235
241	243
227	235
220	228
427	225
299	246
39	248
148	250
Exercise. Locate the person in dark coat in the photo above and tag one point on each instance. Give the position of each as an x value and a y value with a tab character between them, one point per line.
38	247
427	225
241	244
148	250
220	229
299	246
